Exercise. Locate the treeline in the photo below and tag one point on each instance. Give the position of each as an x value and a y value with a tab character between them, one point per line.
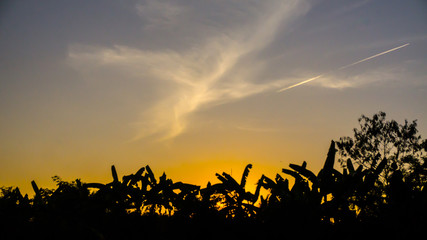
386	198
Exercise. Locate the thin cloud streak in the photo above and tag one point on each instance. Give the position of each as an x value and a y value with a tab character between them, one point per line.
371	57
369	77
301	83
343	67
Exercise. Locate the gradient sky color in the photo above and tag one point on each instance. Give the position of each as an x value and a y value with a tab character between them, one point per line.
191	87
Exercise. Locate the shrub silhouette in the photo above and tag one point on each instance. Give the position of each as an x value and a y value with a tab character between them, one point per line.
381	194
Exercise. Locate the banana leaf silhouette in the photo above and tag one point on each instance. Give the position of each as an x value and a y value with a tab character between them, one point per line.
114	173
186	202
308	197
236	201
167	197
279	190
303	171
36	189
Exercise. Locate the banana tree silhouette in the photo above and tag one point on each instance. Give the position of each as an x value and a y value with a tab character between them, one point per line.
118	197
353	194
296	206
339	196
159	197
237	202
141	193
165	196
312	197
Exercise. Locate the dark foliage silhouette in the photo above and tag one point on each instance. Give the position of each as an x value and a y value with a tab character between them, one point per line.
378	139
237	202
380	191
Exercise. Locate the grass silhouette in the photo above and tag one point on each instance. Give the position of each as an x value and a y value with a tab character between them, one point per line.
382	200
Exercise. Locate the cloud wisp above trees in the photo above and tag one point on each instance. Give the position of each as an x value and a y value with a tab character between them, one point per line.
220	67
198	56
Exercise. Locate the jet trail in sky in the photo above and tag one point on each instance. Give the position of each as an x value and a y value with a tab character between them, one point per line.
344	67
376	55
301	83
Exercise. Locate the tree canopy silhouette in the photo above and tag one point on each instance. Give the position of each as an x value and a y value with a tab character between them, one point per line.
377	140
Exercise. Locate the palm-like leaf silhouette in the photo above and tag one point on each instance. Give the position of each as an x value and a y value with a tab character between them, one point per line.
142	193
236	201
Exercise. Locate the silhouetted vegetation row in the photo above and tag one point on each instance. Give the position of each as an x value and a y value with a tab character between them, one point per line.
380	191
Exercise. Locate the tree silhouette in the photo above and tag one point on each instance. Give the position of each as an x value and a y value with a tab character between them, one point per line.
378	139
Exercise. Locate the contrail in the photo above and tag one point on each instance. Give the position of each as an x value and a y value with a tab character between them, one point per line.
343	67
300	83
376	55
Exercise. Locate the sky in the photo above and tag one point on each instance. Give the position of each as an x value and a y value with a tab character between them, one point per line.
195	88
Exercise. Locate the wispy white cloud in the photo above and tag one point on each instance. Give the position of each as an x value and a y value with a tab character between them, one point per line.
206	74
362	79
